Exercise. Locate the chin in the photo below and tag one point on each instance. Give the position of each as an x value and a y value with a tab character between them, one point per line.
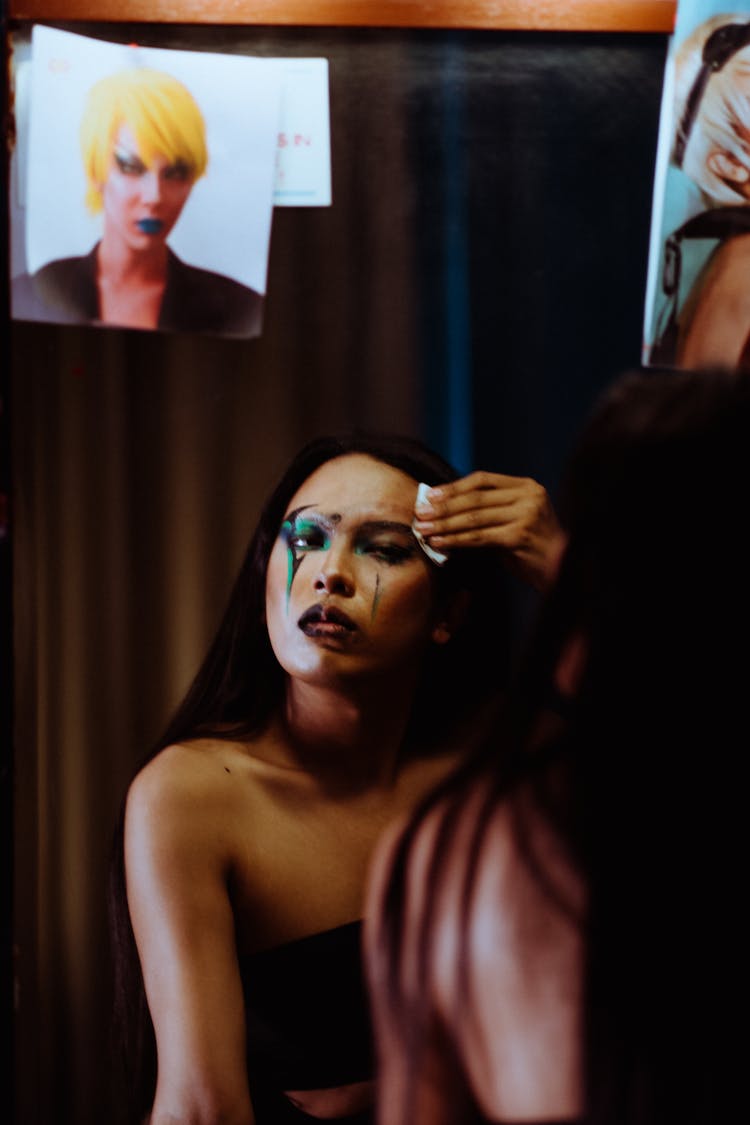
329	669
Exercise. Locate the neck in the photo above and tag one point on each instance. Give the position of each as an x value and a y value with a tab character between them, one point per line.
117	262
334	734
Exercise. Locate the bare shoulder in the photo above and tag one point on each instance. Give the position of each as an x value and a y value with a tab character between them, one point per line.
715	319
411	849
725	277
518	932
175	775
182	795
734	252
520	870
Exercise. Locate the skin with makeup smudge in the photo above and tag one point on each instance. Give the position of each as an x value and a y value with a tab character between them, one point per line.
348	590
303	535
142	203
296	531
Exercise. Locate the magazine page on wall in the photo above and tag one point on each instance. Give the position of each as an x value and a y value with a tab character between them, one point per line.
145	187
698	287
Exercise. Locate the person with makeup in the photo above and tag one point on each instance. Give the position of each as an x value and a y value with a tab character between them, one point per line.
143	142
709	324
556	934
349	674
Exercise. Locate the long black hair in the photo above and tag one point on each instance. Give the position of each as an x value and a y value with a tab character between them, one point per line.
240	684
655	580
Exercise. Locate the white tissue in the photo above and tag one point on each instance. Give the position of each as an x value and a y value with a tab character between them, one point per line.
438	558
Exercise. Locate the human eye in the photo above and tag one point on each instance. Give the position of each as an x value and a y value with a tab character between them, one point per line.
129	164
306	541
180	172
303	537
390	552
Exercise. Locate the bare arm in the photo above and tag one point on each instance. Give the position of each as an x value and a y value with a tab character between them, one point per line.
513	514
176	860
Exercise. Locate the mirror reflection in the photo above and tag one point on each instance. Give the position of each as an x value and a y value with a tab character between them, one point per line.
478	277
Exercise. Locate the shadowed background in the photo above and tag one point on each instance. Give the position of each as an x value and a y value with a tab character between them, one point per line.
479	278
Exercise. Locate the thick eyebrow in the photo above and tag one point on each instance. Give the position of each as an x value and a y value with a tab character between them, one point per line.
320	518
291	517
371	526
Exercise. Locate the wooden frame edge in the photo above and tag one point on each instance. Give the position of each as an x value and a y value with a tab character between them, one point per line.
533	15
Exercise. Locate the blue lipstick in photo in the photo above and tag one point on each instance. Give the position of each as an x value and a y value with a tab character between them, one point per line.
150	226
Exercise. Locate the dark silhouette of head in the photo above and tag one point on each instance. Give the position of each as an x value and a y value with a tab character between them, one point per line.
627	725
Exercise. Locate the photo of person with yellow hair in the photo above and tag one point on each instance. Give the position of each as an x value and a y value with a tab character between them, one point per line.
143	147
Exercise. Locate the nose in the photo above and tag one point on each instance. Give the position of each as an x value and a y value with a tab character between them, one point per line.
151	186
334	574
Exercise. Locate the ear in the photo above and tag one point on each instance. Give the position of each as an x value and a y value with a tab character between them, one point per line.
727	167
451	617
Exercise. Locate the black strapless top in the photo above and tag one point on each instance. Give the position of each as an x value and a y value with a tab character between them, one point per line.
308	1025
308	1021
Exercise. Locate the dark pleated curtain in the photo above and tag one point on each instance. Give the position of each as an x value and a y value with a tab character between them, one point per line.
140	462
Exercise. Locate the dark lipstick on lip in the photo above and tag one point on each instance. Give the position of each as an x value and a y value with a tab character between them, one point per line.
150	226
319	615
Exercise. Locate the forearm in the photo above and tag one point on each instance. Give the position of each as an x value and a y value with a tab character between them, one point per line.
184	929
198	1108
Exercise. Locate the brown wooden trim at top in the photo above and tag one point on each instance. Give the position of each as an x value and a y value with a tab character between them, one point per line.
534	15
